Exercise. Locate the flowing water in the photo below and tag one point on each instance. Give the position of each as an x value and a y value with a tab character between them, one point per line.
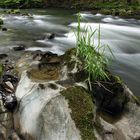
122	35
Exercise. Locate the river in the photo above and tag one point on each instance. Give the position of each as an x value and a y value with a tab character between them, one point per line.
122	35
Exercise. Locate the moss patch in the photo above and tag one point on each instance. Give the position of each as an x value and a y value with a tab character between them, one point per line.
81	105
1	21
136	99
1	69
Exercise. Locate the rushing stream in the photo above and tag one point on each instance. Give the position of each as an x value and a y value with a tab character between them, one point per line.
122	35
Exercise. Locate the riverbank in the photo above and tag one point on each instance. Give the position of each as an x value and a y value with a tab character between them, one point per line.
116	8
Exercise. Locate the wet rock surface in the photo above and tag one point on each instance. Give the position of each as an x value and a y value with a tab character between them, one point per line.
7	89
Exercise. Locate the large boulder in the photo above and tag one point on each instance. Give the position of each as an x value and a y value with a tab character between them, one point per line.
55	102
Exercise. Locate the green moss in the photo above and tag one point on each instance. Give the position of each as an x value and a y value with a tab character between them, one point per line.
118	79
1	69
136	99
1	21
81	105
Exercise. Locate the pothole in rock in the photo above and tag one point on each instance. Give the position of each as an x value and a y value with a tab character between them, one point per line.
46	73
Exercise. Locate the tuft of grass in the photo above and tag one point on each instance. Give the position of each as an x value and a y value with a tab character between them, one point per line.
94	56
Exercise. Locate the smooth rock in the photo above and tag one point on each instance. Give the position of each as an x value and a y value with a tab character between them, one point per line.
9	85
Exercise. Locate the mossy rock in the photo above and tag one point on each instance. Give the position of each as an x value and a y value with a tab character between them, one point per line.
115	12
1	21
129	12
122	12
106	11
16	11
68	58
13	11
81	105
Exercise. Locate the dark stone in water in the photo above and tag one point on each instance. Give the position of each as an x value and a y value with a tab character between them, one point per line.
50	36
4	29
21	47
3	55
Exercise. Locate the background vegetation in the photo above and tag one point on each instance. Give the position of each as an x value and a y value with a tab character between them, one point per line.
21	3
96	4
